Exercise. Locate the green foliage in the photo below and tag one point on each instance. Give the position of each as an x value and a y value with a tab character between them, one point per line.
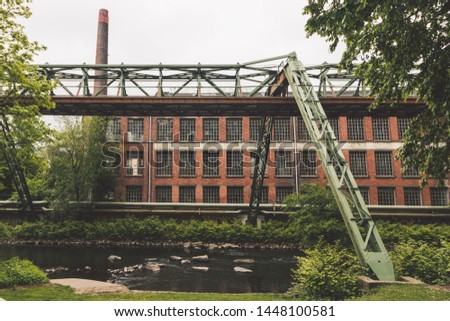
5	231
393	233
327	272
400	49
76	172
318	215
15	272
18	77
427	262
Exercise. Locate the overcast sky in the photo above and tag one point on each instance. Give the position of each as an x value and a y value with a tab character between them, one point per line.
175	31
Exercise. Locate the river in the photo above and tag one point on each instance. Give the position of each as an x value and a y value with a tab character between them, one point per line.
271	269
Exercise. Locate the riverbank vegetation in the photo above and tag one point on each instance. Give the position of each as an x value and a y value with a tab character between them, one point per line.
14	272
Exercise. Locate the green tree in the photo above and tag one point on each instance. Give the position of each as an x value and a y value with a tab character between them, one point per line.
23	91
76	156
400	49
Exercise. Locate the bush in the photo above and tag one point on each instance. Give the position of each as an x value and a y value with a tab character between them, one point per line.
5	231
318	216
393	233
327	272
15	272
427	262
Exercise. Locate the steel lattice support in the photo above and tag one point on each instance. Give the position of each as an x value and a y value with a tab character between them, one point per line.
260	165
363	232
17	176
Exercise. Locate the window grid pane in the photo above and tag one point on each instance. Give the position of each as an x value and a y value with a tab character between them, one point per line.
210	129
187	130
234	164
133	193
383	164
410	171
334	122
355	128
365	194
234	129
386	195
283	163
403	124
380	127
282	192
211	194
308	163
282	129
165	130
264	195
358	164
211	164
163	194
187	163
135	163
135	129
412	196
255	124
235	195
187	194
163	163
113	133
439	196
302	134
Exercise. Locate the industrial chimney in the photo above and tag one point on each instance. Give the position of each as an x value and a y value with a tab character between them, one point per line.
101	53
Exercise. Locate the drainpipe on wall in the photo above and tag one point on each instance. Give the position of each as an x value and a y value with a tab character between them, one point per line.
149	160
294	123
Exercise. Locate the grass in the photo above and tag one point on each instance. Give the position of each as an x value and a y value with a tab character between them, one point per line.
50	292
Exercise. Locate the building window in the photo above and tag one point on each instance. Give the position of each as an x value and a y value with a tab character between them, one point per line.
113	132
211	164
303	134
282	129
210	129
334	123
282	192
235	195
163	163
380	127
358	164
163	194
187	194
413	196
135	129
411	171
439	196
264	195
355	128
187	130
165	130
364	190
135	163
402	125
234	129
255	126
386	195
234	164
308	163
133	194
383	164
187	163
283	163
211	194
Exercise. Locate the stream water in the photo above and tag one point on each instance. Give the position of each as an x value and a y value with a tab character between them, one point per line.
271	269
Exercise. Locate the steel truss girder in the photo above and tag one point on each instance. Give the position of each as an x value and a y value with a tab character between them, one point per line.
260	164
362	230
17	175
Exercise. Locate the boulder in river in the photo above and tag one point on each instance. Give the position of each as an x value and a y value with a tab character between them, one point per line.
185	262
200	268
153	267
244	261
239	269
114	258
201	258
175	258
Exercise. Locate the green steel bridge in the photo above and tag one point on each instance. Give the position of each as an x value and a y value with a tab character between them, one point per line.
267	88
